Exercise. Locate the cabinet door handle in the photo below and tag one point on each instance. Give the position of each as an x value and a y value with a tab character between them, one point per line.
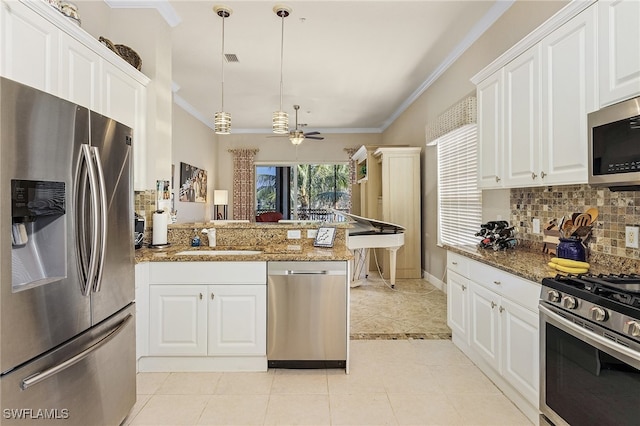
542	174
493	304
533	176
200	296
212	296
464	287
497	179
501	309
497	282
454	263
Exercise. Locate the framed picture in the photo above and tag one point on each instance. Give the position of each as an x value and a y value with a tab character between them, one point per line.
193	184
325	237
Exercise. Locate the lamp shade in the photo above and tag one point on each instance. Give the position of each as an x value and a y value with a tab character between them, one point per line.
220	197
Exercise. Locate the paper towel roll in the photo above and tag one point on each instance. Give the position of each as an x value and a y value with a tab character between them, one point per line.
160	221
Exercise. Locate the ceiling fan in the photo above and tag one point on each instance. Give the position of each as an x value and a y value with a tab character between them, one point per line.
296	136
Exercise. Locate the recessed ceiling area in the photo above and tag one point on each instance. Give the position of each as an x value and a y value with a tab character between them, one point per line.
352	66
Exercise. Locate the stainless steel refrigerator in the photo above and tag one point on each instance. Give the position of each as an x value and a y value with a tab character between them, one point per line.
67	313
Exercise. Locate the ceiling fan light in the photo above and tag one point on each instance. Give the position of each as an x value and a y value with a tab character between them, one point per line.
280	122
222	123
296	137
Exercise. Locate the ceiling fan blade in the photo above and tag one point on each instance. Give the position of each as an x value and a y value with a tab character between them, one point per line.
319	138
311	133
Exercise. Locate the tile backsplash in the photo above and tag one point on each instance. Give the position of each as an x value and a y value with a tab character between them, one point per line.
616	210
145	201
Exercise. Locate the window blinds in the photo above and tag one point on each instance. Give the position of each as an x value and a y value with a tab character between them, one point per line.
459	199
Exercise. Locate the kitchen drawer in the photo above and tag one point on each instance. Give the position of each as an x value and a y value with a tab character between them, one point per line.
208	273
519	290
458	264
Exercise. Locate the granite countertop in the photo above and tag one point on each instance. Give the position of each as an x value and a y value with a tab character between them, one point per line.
272	253
524	262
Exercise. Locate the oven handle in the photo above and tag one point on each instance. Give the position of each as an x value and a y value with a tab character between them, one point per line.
616	347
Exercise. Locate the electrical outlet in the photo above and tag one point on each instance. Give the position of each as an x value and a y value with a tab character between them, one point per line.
294	234
631	236
536	226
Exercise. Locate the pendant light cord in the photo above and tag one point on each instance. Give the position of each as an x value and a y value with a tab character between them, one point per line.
222	64
282	16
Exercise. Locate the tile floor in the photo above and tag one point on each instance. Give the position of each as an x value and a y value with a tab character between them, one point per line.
407	381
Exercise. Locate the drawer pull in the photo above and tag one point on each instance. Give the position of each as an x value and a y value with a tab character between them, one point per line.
454	263
497	282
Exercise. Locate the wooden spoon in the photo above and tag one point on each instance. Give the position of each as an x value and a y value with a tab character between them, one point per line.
593	213
582	219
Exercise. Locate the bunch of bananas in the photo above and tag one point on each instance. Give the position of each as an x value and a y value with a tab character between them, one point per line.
569	266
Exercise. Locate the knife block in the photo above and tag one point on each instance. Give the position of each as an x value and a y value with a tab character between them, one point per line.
551	239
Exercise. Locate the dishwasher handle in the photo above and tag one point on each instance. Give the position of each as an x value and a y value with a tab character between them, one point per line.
291	272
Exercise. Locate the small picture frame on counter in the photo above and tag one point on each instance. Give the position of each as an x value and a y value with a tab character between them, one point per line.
325	237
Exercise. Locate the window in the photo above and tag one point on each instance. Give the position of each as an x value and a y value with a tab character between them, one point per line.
302	191
459	199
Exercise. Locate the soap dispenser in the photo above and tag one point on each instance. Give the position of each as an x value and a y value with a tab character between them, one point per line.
195	241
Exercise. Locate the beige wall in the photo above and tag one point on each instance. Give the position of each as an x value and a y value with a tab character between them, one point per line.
278	150
195	144
453	85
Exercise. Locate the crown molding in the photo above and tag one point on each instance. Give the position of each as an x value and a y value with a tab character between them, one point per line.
496	11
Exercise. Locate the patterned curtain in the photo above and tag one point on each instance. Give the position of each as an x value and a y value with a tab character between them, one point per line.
244	183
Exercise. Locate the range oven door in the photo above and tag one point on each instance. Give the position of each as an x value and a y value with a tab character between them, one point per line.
585	377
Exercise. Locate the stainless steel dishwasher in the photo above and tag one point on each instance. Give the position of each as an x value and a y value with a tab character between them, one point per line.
307	314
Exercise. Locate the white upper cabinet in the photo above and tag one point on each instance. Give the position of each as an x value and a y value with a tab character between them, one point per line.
80	74
521	119
489	95
29	47
568	95
40	48
536	133
618	50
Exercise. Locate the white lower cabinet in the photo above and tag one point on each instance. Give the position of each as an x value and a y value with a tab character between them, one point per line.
494	321
457	305
206	316
208	320
485	324
237	320
178	320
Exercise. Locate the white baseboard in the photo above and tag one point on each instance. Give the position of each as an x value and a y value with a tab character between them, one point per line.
435	281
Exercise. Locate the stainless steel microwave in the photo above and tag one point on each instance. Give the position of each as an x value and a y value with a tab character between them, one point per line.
614	146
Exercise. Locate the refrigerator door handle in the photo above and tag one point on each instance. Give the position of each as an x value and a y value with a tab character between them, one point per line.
43	375
102	218
85	171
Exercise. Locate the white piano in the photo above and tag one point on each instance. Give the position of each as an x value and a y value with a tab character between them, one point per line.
372	233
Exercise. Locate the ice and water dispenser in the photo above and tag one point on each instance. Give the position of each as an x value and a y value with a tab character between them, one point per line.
38	231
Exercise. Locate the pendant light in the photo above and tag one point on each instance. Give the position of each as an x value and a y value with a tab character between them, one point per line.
281	118
221	119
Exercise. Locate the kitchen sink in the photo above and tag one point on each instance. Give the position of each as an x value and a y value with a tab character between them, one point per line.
218	252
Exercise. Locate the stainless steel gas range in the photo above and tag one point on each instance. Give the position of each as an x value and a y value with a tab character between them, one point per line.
590	350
